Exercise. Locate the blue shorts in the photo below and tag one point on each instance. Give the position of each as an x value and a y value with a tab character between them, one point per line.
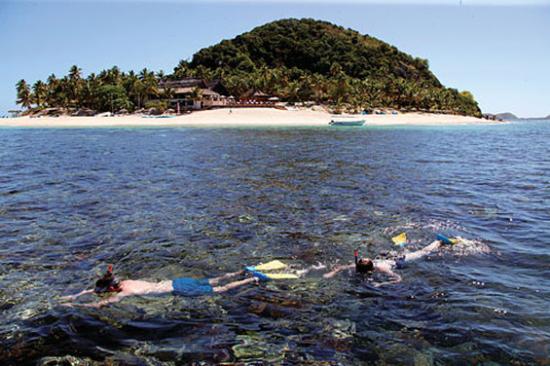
191	287
400	262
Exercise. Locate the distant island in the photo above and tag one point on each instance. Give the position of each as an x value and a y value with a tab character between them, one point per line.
286	62
507	116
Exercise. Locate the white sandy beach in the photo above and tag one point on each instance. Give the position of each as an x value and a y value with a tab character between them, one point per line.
252	117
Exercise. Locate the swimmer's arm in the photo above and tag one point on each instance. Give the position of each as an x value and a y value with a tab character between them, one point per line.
337	269
423	252
232	285
216	280
302	272
394	277
111	300
73	297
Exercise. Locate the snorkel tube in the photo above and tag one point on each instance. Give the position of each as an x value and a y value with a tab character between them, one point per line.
446	240
107	283
108	276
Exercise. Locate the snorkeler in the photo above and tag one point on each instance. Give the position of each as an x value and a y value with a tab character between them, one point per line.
386	266
108	284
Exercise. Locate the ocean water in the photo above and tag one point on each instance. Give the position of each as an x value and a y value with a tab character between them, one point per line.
166	203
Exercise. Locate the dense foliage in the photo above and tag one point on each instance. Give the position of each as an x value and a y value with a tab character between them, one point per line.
315	47
306	59
296	60
110	90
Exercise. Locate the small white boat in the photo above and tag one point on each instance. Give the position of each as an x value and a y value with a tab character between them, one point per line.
346	121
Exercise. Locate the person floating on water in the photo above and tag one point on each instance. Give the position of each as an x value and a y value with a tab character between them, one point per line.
109	284
386	266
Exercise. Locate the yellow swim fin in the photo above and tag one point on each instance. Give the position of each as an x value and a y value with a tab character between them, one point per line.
400	239
271	266
281	276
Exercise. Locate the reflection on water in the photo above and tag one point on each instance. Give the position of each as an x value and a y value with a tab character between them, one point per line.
162	203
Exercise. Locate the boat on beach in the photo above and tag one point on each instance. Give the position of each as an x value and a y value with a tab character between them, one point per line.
346	121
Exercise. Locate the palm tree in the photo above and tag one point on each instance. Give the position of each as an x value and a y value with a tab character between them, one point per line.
75	73
161	75
292	91
319	87
150	84
24	96
64	92
90	92
182	70
75	85
196	95
238	84
112	76
167	94
134	88
40	93
340	88
201	72
305	91
54	91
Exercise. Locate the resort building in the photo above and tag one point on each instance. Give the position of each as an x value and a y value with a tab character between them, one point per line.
193	93
258	97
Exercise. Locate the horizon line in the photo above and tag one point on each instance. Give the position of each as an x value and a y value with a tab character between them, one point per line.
457	3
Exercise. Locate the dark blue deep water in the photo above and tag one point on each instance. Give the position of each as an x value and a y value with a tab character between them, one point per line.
166	203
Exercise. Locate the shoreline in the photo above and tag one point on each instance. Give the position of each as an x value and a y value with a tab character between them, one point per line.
244	117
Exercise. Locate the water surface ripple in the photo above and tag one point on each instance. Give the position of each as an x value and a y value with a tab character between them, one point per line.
163	203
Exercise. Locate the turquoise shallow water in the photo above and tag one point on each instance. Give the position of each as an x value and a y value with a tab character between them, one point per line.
162	203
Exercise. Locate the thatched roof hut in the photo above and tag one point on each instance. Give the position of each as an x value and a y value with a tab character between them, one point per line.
188	85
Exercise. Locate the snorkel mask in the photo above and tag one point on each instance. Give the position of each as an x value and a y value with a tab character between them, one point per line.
362	265
107	283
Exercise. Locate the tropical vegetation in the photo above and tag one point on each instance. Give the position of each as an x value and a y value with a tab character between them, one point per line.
295	60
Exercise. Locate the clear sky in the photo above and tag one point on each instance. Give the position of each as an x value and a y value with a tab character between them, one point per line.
499	50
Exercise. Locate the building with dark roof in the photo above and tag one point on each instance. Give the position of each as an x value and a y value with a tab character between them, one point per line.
194	93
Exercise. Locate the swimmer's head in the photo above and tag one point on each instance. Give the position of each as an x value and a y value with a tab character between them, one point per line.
364	265
107	283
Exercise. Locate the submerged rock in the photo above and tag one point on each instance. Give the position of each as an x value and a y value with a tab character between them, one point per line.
66	361
255	347
268	310
246	219
421	359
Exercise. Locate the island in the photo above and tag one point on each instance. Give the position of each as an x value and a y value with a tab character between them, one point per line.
511	117
287	72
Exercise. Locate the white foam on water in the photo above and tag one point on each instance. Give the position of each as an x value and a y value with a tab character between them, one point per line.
466	247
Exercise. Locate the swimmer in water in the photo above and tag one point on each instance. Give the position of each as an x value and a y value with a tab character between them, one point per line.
108	284
386	266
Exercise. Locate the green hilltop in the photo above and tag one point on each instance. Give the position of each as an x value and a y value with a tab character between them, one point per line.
296	60
315	47
307	59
